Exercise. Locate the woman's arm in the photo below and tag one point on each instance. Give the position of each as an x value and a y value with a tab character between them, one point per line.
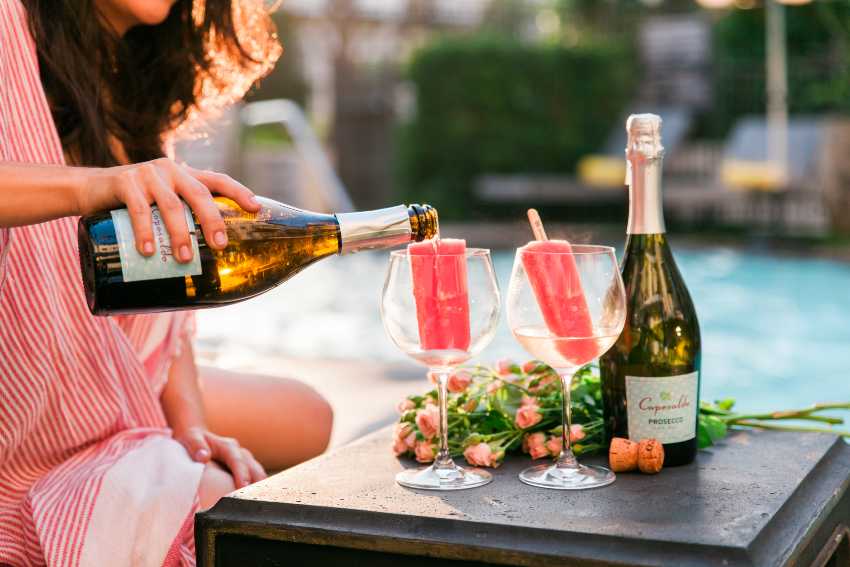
32	193
181	402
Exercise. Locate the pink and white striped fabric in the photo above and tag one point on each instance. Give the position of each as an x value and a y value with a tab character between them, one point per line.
89	473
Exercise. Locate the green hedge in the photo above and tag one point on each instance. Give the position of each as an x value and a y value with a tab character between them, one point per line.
490	104
818	47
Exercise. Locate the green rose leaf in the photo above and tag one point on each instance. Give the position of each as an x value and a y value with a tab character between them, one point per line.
711	430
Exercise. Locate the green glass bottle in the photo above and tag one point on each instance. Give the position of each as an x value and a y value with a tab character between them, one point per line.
651	377
265	249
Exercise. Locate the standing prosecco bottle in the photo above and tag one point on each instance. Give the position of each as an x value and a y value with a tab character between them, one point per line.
651	377
265	249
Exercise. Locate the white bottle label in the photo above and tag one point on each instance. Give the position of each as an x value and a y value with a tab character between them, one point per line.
135	267
663	408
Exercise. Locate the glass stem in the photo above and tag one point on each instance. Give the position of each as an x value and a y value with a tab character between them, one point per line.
444	458
566	460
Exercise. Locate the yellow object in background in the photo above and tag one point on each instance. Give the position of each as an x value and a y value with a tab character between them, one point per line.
602	171
752	175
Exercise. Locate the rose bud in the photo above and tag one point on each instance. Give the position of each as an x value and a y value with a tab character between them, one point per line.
503	366
528	415
459	381
424	451
428	421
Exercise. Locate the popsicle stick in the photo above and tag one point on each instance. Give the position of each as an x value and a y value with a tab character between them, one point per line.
536	225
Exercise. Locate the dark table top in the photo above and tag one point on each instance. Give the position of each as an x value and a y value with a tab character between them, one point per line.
756	499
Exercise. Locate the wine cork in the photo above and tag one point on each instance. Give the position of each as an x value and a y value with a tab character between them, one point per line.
623	455
650	456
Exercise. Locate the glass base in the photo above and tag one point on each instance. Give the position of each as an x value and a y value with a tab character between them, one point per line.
579	478
432	478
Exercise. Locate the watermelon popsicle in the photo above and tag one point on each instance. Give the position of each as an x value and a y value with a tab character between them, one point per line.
441	292
552	272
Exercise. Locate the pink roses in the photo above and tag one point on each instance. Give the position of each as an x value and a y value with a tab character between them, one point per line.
528	414
424	451
535	445
554	446
404	438
538	446
503	366
541	383
482	455
428	421
459	381
577	433
492	411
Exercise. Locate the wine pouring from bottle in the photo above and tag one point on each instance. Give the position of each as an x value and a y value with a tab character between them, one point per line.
651	377
264	249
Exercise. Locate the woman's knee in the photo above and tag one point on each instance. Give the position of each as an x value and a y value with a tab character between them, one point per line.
324	422
282	421
215	483
317	421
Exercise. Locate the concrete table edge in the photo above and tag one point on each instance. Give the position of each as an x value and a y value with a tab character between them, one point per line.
517	546
809	507
779	543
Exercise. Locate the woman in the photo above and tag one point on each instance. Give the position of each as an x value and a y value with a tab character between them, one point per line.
109	439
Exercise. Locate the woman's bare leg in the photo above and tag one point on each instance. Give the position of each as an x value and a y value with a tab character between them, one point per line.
281	421
215	483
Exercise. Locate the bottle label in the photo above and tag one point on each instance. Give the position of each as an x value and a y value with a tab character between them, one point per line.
664	408
135	267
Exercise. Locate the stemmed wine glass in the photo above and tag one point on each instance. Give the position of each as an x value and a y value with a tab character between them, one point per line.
566	306
402	323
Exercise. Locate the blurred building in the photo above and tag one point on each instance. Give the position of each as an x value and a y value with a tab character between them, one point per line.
352	51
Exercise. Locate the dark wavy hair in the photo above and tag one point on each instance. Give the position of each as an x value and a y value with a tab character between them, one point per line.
143	86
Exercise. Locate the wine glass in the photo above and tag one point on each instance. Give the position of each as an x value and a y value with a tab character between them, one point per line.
402	323
566	308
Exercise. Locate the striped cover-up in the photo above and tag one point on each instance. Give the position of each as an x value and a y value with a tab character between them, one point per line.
89	473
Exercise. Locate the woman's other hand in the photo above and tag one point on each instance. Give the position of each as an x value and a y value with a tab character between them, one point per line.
163	182
204	446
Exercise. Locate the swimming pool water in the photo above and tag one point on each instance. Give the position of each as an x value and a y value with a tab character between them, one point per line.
775	329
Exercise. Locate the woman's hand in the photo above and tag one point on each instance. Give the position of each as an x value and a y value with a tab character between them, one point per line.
204	446
163	182
184	411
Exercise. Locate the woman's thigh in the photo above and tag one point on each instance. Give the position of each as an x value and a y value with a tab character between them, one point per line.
281	421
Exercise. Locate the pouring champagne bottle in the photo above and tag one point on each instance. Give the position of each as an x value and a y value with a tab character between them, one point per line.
265	249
